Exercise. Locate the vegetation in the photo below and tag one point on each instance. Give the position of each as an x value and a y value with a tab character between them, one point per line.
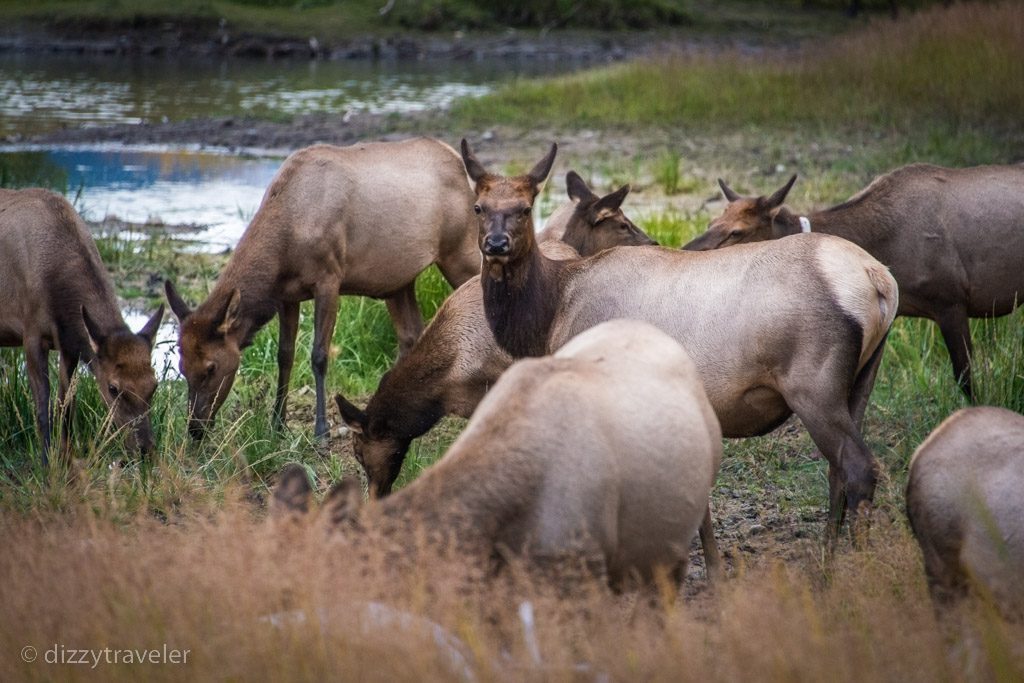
170	550
959	67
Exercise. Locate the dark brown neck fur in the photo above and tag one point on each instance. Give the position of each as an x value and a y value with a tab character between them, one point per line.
520	300
409	399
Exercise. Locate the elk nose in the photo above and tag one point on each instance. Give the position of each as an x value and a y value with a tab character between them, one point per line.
497	245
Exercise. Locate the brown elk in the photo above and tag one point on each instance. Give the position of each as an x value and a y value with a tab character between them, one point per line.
953	239
794	325
58	295
965	507
456	360
365	220
606	450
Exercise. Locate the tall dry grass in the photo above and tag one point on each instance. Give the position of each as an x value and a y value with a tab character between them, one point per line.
280	600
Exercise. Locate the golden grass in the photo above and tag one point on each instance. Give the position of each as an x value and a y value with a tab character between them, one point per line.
252	599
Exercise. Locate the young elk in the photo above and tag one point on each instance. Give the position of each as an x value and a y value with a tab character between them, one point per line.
363	220
788	326
456	360
966	509
606	451
953	239
58	295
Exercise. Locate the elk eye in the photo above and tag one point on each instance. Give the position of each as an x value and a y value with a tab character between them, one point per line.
478	209
114	391
527	211
736	233
210	367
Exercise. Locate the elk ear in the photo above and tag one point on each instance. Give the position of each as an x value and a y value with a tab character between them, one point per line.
727	191
578	189
148	331
612	202
178	305
229	318
779	195
96	336
539	173
354	418
343	502
474	168
293	491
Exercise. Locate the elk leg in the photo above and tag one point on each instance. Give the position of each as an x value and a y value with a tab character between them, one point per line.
406	317
39	382
325	313
288	330
852	467
864	383
712	558
956	332
460	267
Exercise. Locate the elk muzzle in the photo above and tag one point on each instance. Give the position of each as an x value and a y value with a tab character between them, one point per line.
497	244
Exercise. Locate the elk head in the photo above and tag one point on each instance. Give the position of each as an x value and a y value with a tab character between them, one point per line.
745	219
209	340
598	223
504	206
375	448
124	373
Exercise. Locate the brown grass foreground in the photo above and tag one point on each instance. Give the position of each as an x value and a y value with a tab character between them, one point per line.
252	599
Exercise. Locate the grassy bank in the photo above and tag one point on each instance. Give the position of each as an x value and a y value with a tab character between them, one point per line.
961	66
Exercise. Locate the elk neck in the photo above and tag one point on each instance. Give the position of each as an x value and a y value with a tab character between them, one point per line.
520	299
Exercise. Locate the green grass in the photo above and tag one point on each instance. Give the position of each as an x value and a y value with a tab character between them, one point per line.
961	65
915	389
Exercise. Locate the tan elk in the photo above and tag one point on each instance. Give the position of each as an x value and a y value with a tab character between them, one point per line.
457	360
789	326
606	450
965	506
952	237
364	220
57	295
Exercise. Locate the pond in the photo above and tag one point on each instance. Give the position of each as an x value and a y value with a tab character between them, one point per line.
43	92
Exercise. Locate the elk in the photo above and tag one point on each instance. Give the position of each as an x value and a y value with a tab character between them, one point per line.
965	508
790	326
58	296
606	451
456	360
953	239
364	220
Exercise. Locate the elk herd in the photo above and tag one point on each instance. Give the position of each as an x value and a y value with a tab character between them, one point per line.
600	371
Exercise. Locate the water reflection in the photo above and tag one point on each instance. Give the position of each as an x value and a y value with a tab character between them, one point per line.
44	92
216	193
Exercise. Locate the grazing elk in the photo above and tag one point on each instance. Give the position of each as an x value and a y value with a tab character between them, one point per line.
795	325
965	507
365	220
456	360
953	239
58	295
606	450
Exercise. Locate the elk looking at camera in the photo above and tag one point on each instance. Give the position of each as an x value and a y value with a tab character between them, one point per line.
606	451
362	220
952	237
791	326
456	360
57	295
